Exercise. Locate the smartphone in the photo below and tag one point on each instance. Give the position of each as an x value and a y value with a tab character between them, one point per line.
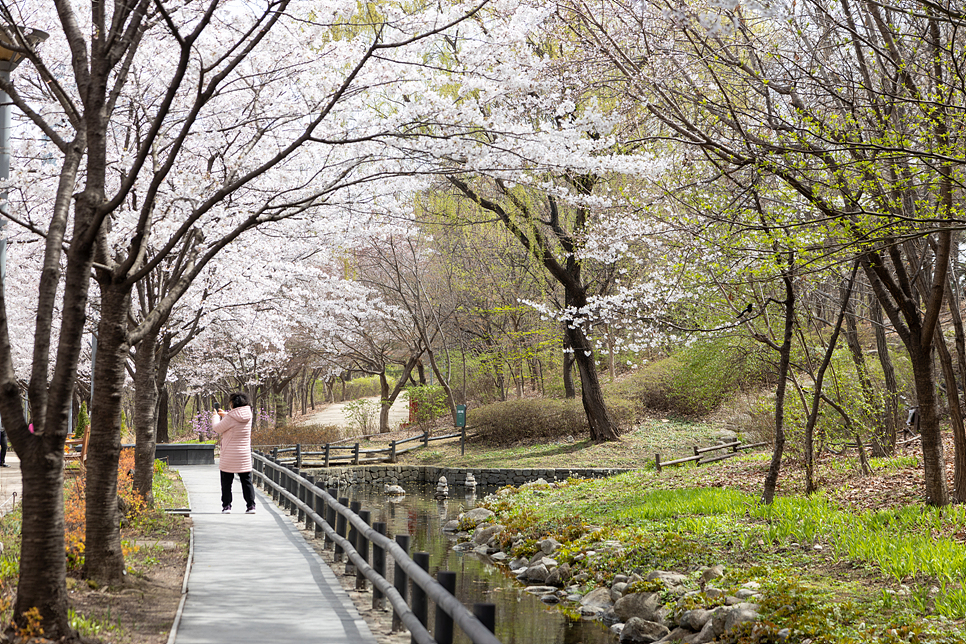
217	407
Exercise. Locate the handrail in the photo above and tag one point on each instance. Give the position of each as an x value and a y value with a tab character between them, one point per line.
466	620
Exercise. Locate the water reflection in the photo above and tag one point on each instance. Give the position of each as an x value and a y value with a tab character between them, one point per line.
521	618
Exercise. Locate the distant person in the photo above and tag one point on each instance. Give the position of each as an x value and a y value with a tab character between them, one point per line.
234	428
3	447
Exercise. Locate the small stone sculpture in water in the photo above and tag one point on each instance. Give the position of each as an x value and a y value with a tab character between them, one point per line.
394	490
442	488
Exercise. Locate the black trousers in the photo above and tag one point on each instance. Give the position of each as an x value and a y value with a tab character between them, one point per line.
3	446
248	490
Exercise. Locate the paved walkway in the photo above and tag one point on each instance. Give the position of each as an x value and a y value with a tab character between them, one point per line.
11	483
254	579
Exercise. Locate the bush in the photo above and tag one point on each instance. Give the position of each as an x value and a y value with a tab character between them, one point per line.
430	402
268	435
696	380
538	419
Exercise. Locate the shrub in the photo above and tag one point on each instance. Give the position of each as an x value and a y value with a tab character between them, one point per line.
268	435
536	419
696	380
363	414
430	402
83	420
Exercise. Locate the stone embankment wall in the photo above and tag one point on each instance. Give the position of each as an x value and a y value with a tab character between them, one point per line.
403	474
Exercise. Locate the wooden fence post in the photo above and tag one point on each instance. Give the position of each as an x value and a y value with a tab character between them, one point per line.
420	605
355	454
379	566
400	581
326	455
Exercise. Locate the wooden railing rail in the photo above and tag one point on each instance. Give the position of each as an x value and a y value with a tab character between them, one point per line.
699	458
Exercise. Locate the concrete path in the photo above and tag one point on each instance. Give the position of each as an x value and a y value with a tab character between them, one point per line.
334	413
254	579
11	483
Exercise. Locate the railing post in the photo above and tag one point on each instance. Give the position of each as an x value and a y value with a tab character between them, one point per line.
362	547
420	606
400	581
340	523
426	438
355	507
292	489
300	495
657	462
329	516
276	479
443	633
326	455
486	613
355	454
378	565
275	452
392	452
298	456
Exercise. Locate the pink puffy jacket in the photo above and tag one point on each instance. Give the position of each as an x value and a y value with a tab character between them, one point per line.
235	429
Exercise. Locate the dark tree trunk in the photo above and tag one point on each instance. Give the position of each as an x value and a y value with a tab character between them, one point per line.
601	426
163	417
890	415
145	415
103	558
955	416
568	368
844	311
785	351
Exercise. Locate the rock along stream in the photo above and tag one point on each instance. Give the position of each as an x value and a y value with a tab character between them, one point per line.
521	618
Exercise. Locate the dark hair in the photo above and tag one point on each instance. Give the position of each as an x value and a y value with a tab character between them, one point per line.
238	399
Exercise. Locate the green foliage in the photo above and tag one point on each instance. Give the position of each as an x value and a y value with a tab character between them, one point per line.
83	420
430	402
363	415
365	387
695	380
91	626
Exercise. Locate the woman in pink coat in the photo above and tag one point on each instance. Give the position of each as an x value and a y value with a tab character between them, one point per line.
235	435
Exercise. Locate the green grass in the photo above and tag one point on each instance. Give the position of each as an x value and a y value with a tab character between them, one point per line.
669	437
682	528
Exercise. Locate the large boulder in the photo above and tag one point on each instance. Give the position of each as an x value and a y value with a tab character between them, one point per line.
639	631
476	516
739	614
595	602
538	573
483	535
645	606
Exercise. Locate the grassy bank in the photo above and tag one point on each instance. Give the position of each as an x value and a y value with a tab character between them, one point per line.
829	571
636	449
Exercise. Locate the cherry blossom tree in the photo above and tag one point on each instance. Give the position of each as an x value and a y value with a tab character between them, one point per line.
173	131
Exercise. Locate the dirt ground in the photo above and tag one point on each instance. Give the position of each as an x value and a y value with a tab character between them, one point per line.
142	610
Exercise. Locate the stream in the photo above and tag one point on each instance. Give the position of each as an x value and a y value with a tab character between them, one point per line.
521	618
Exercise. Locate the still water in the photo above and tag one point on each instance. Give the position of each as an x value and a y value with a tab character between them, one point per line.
521	618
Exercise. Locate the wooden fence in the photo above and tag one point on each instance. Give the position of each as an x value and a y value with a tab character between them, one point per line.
699	457
335	454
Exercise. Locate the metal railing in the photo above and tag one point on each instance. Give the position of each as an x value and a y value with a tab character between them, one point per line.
330	517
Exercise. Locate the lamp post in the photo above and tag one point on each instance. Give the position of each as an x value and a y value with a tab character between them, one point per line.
9	59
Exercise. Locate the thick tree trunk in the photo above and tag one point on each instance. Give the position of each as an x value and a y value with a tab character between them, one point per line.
163	416
570	391
774	469
955	417
932	447
103	558
145	415
42	583
602	428
388	397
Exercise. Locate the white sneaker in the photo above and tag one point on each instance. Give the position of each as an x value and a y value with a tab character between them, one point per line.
250	510
226	509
